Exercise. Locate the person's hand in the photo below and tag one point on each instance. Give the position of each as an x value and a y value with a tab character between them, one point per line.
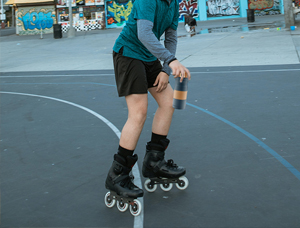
162	81
178	70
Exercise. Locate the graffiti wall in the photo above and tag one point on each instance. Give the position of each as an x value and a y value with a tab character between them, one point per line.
33	20
265	7
188	7
220	8
117	13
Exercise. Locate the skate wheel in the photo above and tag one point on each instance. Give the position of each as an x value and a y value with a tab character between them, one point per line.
109	200
150	187
135	208
166	186
122	206
183	183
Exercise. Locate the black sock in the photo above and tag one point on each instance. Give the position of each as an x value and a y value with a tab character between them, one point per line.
124	152
155	138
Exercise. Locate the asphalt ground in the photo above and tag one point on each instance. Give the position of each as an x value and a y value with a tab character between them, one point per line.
238	138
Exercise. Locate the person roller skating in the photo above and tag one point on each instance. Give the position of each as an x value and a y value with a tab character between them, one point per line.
160	171
137	56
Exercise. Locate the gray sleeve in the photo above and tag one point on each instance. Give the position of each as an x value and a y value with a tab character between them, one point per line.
171	45
149	40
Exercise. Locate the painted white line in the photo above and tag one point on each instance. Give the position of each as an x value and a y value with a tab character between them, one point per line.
51	76
194	72
138	220
244	71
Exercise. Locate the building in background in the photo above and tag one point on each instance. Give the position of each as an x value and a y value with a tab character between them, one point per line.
5	14
32	16
219	9
266	7
117	12
87	14
38	16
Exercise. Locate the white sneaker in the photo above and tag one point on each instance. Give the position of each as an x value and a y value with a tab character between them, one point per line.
187	28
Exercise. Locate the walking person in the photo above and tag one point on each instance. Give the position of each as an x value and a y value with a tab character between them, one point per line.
137	54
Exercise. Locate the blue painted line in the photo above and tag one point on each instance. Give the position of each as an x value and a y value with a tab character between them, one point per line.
291	168
59	83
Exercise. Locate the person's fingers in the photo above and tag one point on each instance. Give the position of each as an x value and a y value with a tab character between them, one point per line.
182	74
159	84
156	81
179	70
176	73
162	85
165	86
158	88
189	74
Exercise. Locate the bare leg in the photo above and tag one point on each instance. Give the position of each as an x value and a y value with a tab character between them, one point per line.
163	116
154	165
118	180
137	114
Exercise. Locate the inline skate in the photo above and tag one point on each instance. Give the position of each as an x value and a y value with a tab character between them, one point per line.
121	188
162	172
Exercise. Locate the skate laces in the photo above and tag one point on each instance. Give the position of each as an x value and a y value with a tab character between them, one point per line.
128	182
171	163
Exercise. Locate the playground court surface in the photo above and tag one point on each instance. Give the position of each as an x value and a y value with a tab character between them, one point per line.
238	138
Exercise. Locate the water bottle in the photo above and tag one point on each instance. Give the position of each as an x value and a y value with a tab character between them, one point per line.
180	93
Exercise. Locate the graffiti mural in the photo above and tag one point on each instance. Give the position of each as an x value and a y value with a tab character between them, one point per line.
264	7
260	4
117	13
188	7
31	20
219	8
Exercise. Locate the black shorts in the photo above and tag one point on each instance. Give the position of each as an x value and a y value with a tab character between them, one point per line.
134	76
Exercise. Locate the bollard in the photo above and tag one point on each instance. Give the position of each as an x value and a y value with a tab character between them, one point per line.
250	15
57	31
